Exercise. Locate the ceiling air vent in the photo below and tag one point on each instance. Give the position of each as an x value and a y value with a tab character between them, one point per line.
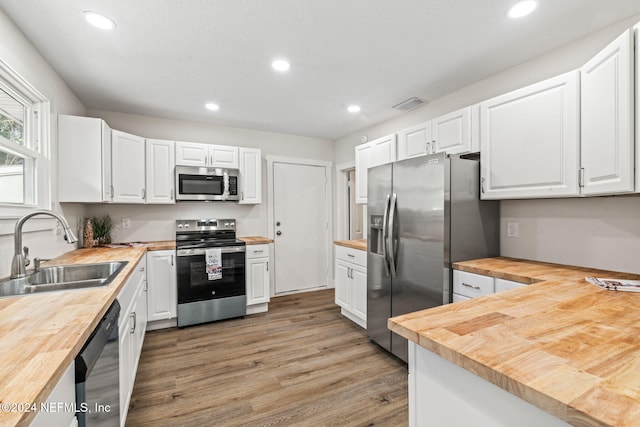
409	104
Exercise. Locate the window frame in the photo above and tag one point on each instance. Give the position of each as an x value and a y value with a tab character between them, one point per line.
36	145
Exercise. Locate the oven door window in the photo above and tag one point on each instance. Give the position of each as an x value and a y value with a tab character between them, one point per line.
212	185
194	284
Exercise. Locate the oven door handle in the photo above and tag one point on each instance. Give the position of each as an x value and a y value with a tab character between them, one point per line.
201	251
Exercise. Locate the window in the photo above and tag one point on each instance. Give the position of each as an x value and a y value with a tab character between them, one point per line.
24	144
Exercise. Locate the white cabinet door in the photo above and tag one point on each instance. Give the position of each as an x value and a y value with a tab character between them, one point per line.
607	127
63	393
127	343
414	141
359	292
160	165
343	277
206	155
84	160
250	176
383	150
192	154
258	281
452	132
373	153
162	290
223	156
128	161
363	160
141	318
529	141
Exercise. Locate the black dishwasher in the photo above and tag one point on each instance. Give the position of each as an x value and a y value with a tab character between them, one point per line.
98	374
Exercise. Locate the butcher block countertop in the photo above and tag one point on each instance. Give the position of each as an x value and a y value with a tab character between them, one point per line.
360	244
560	343
41	334
255	240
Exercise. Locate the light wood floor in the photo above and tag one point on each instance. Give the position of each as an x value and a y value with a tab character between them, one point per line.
299	364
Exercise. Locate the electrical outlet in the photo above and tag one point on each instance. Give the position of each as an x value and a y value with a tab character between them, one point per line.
512	229
126	222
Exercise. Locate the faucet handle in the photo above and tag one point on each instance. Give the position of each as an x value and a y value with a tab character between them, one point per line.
27	261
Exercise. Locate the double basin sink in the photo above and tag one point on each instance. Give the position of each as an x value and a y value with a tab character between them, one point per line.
62	277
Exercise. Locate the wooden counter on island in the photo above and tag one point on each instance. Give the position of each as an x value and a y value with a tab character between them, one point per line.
560	343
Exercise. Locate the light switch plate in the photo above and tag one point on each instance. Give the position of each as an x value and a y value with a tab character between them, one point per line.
512	229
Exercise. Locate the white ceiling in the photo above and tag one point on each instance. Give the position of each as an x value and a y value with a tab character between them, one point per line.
167	58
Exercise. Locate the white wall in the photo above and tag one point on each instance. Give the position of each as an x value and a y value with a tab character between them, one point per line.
595	232
17	52
157	222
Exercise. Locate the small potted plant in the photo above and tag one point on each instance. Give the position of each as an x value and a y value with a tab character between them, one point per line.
102	227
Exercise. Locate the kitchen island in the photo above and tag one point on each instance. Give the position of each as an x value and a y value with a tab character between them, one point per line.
559	344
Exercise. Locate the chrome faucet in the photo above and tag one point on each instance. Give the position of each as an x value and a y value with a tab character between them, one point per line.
20	261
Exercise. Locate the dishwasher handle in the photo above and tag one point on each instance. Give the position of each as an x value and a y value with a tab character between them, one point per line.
92	349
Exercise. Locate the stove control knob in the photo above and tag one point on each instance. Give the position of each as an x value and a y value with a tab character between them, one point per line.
186	226
226	224
179	225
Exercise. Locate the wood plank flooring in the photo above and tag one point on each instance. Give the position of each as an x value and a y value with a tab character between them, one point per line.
301	363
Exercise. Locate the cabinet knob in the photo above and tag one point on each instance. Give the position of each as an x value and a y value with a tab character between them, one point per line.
278	233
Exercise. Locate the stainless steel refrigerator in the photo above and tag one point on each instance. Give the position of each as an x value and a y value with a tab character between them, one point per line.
424	214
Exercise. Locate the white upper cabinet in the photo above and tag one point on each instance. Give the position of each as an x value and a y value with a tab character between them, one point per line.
160	165
529	141
607	123
250	176
206	155
452	132
84	159
363	160
373	153
383	150
128	158
414	141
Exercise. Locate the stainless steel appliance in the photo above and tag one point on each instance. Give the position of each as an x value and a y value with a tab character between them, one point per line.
424	214
98	374
207	184
200	299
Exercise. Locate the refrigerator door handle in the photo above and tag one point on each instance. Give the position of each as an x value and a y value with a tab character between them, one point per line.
390	237
385	231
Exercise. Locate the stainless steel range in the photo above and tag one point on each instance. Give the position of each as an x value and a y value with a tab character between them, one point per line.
211	271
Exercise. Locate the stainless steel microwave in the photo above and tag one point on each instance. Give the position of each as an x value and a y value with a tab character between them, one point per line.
207	184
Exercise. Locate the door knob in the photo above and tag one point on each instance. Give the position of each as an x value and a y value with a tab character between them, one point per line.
278	233
278	224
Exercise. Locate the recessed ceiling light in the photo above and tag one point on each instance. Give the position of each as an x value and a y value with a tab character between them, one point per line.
522	8
353	108
99	21
211	106
280	65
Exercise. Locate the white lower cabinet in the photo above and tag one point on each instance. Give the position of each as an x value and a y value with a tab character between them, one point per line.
257	279
162	294
470	285
442	393
131	329
351	284
63	394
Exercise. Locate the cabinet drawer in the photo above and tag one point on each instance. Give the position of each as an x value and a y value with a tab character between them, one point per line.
257	251
354	256
504	285
471	285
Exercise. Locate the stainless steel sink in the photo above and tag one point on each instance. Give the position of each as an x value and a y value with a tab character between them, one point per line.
62	277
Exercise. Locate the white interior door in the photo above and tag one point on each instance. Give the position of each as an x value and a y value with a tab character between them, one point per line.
300	227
